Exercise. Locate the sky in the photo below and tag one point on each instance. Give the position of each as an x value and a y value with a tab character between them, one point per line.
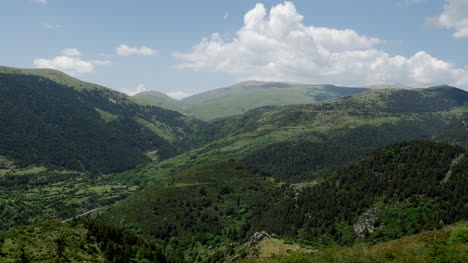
186	47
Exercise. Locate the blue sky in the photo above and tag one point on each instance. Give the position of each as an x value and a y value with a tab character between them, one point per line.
413	42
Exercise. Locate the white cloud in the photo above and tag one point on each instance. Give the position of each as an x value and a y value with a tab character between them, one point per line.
50	26
100	62
70	65
40	1
124	50
226	15
69	62
71	52
280	47
138	89
454	16
178	95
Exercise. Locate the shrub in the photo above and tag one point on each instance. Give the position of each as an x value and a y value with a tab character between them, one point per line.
459	235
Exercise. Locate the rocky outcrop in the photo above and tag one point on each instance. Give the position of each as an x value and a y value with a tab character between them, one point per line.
257	237
368	222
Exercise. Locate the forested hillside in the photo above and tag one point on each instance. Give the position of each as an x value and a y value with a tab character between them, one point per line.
293	142
50	119
395	191
198	213
77	241
445	245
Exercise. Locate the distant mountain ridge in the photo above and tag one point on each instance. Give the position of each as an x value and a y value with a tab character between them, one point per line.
245	96
291	142
159	99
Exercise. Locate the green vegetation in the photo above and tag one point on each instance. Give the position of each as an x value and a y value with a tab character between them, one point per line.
199	213
431	246
159	99
50	120
291	143
32	194
332	181
56	76
395	191
245	96
92	241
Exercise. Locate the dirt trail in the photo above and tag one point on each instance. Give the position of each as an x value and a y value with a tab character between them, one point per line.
80	215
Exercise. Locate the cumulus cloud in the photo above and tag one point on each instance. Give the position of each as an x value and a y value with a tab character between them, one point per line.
178	95
66	64
278	46
454	16
138	89
71	52
124	50
69	62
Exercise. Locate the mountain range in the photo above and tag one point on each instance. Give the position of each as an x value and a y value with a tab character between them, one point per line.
245	96
307	172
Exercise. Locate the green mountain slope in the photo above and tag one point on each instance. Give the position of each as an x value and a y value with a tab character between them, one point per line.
199	211
445	245
293	142
242	97
159	99
395	191
92	241
48	118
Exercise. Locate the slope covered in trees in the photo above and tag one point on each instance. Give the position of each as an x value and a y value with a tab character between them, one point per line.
199	212
449	244
84	241
48	118
294	141
395	191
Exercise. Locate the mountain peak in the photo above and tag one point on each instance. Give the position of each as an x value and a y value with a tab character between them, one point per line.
53	75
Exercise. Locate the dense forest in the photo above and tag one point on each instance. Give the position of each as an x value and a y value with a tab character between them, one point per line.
401	189
86	240
405	187
298	159
199	212
47	123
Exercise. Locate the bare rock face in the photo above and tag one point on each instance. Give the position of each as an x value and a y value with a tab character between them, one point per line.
257	237
368	222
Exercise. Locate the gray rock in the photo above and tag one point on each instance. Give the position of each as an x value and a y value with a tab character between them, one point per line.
368	222
257	237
